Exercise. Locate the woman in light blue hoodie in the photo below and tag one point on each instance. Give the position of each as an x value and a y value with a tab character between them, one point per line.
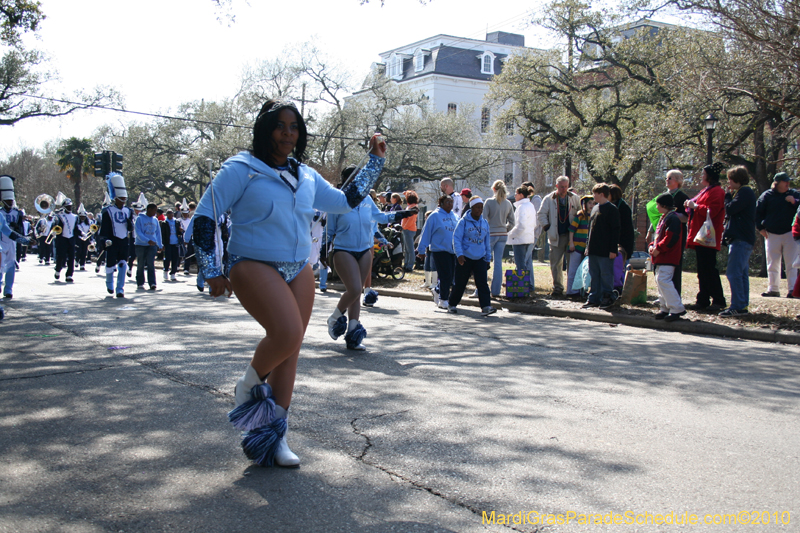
438	234
272	197
471	241
353	235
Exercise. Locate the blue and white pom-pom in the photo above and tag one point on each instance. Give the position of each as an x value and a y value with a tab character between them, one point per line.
370	297
261	444
256	412
356	336
340	327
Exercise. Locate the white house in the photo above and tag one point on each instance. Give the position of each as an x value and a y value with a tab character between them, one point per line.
452	72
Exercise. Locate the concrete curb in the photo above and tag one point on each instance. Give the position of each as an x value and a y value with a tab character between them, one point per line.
682	326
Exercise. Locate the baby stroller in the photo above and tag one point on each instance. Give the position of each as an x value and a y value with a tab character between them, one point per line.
388	260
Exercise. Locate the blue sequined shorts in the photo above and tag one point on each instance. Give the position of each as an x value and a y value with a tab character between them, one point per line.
287	269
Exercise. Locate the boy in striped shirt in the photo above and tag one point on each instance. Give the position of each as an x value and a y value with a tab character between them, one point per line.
578	233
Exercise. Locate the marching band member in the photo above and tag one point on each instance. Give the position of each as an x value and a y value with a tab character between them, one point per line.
171	237
41	231
114	230
82	242
272	197
65	242
352	234
188	247
12	222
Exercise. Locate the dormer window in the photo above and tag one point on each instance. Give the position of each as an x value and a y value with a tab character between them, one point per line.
487	63
395	67
419	61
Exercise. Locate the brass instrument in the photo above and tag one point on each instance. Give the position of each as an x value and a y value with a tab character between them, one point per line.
92	247
56	230
44	203
92	230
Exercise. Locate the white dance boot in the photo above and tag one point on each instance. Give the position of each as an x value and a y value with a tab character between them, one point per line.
245	384
283	455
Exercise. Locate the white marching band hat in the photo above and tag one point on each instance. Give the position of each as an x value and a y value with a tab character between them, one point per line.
6	187
184	206
116	186
141	202
81	210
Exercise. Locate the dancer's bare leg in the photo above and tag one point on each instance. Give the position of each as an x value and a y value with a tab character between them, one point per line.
259	287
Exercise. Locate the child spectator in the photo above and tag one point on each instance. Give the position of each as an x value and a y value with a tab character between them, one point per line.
473	254
601	247
578	233
666	253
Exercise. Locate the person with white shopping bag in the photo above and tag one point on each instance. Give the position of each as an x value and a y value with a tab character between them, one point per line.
706	217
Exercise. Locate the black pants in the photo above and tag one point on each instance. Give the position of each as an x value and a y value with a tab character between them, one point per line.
171	258
478	269
44	249
445	269
82	247
708	277
65	254
22	251
189	256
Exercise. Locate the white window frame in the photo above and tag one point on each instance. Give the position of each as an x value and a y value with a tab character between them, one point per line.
490	63
419	61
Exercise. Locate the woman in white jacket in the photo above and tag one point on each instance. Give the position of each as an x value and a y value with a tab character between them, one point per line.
523	236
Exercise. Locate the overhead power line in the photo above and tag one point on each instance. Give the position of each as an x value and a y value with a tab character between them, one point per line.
213	123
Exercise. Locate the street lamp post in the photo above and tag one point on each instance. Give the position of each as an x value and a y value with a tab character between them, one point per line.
711	124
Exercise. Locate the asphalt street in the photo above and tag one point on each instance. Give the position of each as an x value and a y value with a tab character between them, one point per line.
113	418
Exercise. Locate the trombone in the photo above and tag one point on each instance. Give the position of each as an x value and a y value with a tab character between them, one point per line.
56	230
92	230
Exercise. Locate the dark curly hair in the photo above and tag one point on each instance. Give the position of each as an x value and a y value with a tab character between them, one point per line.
267	122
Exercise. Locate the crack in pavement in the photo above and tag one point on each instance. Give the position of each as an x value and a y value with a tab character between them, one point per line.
81	371
414	483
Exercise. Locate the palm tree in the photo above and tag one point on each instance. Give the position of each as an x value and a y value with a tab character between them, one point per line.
76	157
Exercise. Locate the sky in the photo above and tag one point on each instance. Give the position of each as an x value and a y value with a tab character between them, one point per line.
160	53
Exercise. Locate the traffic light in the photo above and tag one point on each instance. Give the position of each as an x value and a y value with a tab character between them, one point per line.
116	162
100	165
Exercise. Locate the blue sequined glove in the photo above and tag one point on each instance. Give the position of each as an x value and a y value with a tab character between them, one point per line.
205	245
358	189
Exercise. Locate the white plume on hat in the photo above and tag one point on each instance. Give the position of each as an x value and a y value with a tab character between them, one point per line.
6	187
81	210
106	199
184	206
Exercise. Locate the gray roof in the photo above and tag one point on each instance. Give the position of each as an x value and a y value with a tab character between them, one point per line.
451	61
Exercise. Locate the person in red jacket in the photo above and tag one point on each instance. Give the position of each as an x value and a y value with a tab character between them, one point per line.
709	203
666	252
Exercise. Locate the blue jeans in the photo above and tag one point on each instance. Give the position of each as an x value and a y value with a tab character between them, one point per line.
498	245
738	274
323	277
601	269
408	248
523	258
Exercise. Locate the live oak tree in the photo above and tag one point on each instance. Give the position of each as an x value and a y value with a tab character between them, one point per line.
599	98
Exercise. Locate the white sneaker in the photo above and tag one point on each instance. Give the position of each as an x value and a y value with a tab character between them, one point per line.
443	304
173	278
474	294
284	456
435	296
166	275
488	310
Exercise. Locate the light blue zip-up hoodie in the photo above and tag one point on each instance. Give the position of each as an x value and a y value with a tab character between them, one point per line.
355	231
270	221
471	238
438	232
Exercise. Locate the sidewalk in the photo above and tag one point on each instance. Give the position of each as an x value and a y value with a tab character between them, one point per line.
696	327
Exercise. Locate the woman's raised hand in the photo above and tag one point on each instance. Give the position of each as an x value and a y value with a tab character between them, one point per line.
377	145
